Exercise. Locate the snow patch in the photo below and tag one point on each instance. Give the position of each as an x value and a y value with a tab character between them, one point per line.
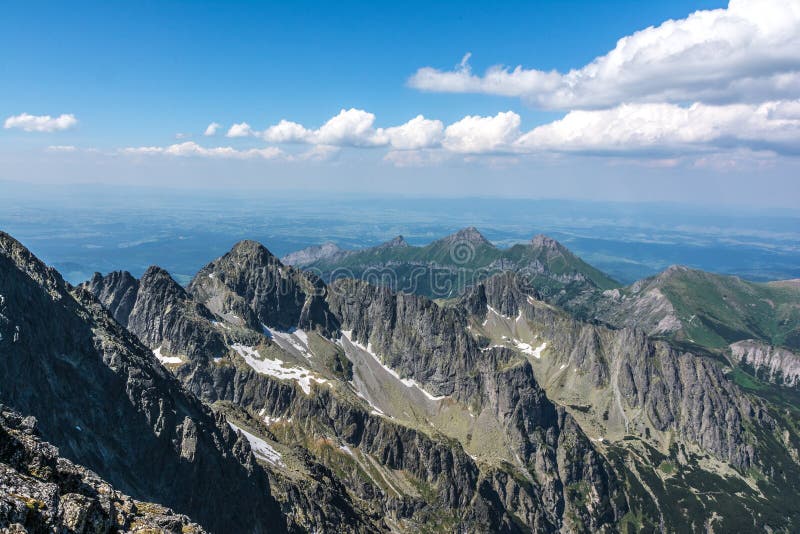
261	448
295	338
528	349
166	359
408	382
277	368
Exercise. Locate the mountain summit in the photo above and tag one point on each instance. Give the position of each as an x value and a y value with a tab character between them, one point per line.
469	234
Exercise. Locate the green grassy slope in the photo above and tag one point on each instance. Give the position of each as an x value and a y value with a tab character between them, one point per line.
444	268
718	310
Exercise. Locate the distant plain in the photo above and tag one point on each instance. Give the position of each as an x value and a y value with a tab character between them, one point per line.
86	229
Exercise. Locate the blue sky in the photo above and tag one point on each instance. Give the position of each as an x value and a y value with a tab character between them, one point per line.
132	80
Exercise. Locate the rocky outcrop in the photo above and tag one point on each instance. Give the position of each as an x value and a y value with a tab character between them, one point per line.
102	398
477	498
251	287
646	384
772	364
431	345
42	492
117	291
160	312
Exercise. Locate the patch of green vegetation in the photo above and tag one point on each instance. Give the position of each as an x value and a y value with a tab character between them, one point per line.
718	310
634	522
781	397
441	270
578	493
666	467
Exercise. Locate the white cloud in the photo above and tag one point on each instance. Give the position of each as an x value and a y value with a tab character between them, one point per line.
191	148
61	148
40	123
351	127
287	132
417	133
212	128
241	129
356	128
662	133
660	128
747	53
475	134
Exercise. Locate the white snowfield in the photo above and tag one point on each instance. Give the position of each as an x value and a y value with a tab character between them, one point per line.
277	368
408	382
261	448
528	349
295	340
166	359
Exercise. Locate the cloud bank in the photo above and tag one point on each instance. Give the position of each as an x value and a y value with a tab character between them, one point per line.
745	53
40	123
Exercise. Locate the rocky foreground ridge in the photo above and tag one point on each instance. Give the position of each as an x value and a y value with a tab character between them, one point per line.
43	492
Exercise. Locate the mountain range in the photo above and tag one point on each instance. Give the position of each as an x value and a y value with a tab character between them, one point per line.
455	387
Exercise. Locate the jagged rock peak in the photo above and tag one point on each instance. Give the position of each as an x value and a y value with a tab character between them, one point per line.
396	242
469	234
547	243
24	260
117	291
250	248
676	269
156	272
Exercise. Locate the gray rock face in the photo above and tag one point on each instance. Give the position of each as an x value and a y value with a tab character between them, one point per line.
160	313
42	492
773	364
117	291
395	242
251	287
103	399
430	344
653	385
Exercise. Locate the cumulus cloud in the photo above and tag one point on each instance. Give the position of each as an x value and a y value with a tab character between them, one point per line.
476	134
241	129
191	148
636	128
212	128
747	52
40	123
356	128
287	132
351	127
417	133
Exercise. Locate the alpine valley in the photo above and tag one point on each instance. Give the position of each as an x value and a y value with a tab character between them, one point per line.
455	387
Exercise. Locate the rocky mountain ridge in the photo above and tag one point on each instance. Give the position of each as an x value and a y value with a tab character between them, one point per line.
376	411
478	378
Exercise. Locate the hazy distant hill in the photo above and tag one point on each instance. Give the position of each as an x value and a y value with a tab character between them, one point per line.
445	267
